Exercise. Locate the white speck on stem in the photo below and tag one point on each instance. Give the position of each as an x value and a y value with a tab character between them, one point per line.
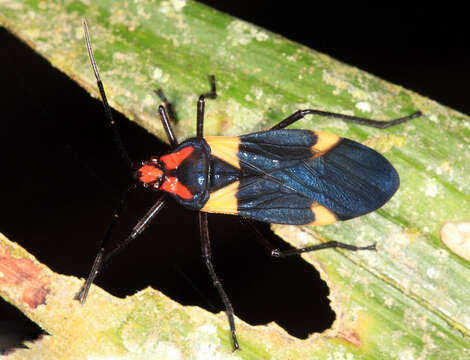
456	236
157	73
363	106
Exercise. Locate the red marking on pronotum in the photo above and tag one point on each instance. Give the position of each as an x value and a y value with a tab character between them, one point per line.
149	173
172	185
24	277
173	160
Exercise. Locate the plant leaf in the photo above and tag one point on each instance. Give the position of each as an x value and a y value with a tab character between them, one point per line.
407	300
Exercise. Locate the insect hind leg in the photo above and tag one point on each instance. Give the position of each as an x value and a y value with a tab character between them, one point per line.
327	245
300	114
274	252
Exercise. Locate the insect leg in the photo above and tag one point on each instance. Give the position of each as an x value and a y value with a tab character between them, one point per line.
213	93
102	258
201	103
82	294
206	254
299	114
168	105
327	245
139	228
167	126
259	236
274	252
107	109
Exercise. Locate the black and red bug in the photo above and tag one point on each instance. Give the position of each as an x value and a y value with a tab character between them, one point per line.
279	176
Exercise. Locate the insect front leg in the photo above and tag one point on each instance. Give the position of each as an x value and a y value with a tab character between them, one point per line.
167	116
105	254
167	126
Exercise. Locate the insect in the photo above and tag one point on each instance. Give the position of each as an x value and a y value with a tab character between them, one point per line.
279	176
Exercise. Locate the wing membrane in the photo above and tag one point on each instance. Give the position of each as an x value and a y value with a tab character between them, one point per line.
288	175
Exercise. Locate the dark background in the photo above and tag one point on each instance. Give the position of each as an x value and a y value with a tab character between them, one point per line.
61	176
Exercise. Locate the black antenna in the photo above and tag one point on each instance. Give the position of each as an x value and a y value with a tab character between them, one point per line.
107	108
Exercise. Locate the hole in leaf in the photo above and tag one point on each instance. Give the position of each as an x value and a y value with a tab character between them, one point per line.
15	329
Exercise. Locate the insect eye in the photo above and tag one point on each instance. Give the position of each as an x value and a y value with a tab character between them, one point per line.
156	185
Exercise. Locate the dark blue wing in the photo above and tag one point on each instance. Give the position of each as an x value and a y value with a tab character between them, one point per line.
287	174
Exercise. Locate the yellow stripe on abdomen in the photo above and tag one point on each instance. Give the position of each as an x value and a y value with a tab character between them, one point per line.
225	148
224	200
